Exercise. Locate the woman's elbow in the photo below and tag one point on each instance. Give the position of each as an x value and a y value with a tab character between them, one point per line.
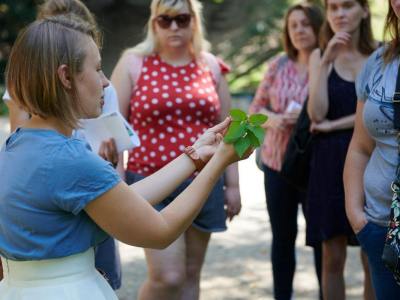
159	243
314	116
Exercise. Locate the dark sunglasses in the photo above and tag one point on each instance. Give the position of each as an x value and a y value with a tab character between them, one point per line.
182	20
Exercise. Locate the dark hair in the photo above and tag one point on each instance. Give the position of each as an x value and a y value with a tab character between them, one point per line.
314	16
366	43
392	29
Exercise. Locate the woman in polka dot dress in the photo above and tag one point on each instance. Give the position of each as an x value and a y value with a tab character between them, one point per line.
171	90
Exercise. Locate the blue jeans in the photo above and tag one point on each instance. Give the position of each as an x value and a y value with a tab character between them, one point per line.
372	239
283	201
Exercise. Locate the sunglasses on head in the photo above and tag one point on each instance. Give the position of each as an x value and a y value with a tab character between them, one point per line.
181	20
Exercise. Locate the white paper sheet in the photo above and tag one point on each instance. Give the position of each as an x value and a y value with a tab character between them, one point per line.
293	106
112	125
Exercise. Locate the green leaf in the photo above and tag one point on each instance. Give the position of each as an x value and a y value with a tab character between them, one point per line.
258	132
253	139
242	145
235	131
258	119
238	115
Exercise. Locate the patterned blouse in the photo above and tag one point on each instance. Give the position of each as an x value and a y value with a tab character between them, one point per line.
281	85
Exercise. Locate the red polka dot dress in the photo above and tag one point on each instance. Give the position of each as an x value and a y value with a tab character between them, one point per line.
170	108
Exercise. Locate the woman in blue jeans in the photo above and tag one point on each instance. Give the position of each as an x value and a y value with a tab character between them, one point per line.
373	156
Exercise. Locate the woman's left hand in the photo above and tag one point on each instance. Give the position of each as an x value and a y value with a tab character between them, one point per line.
324	126
233	203
290	118
108	151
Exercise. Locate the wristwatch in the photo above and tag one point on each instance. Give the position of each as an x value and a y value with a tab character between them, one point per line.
194	156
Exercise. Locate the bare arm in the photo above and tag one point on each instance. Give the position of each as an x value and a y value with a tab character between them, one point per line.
232	191
317	105
360	149
343	123
123	84
346	122
16	114
162	179
124	214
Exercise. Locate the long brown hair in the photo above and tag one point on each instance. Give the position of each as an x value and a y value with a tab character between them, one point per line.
366	43
314	16
392	29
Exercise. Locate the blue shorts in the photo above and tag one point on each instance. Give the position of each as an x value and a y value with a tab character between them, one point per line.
211	217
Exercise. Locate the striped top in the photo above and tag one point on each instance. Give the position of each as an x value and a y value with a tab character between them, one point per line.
281	85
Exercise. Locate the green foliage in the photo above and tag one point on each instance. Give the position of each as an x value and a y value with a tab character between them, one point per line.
14	15
251	35
245	34
245	131
3	106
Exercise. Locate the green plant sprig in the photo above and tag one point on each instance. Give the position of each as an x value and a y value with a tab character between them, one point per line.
245	131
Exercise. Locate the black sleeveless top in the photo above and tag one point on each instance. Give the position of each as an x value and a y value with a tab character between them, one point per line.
342	96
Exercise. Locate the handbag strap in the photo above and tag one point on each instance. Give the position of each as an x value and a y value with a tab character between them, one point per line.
396	103
396	119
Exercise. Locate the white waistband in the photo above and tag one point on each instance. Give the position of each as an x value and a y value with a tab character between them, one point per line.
73	265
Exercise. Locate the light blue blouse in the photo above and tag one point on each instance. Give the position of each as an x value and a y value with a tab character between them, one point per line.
46	181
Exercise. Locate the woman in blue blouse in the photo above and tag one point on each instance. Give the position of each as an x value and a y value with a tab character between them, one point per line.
59	199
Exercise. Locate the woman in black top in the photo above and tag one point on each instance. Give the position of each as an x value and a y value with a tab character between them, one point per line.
346	41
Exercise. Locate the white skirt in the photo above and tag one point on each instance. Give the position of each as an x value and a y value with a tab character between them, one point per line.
70	278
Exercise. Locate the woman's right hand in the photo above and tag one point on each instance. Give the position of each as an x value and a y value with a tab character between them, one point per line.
339	40
207	144
358	221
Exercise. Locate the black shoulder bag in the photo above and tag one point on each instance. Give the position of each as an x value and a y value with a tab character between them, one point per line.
391	250
296	162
